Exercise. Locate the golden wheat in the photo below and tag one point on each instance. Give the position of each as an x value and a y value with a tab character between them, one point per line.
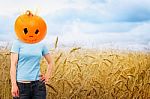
90	74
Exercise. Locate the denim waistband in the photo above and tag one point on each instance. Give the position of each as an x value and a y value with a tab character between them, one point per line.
26	82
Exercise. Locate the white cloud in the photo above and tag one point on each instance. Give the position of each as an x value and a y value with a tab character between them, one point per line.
75	33
88	20
9	7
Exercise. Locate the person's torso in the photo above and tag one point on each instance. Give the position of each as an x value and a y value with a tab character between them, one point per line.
28	66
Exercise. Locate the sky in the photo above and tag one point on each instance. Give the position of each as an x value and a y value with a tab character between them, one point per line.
85	22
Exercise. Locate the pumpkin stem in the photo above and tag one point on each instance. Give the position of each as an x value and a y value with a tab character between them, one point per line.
28	12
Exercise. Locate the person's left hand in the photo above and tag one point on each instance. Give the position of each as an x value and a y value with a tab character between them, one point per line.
44	78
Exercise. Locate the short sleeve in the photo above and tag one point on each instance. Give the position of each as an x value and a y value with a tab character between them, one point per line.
45	50
15	47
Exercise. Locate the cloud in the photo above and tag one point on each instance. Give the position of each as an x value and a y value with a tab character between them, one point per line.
43	7
141	32
115	27
128	10
84	21
76	32
5	25
95	11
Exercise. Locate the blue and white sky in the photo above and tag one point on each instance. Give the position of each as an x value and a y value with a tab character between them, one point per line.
83	21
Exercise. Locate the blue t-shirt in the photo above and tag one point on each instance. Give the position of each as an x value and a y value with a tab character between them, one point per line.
28	66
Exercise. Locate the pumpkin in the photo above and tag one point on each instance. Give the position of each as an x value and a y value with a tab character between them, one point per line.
30	28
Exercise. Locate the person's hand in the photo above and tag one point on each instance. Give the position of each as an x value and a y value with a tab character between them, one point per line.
15	90
44	78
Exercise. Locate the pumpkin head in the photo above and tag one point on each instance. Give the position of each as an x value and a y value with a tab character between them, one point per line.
30	28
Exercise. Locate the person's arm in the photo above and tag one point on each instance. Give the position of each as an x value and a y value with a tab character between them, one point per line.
14	61
50	64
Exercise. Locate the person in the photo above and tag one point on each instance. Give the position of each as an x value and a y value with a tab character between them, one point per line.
27	83
26	80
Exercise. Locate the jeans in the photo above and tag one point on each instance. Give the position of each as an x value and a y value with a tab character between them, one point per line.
33	90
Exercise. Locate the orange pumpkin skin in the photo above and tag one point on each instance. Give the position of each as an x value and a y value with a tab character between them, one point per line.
30	28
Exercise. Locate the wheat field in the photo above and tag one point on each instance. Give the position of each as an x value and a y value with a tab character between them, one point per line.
90	74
